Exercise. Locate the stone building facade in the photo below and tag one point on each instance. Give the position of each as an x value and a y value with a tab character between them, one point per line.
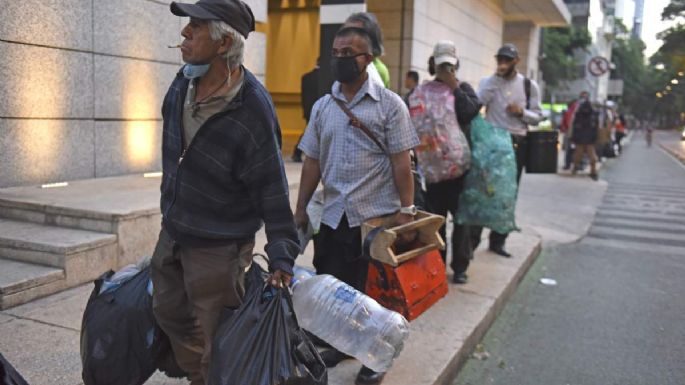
83	80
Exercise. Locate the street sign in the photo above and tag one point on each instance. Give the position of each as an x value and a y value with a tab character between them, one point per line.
598	66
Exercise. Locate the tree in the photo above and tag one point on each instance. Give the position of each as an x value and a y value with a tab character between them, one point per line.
639	86
672	55
558	45
674	10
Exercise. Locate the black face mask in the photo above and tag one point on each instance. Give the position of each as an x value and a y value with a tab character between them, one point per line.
345	69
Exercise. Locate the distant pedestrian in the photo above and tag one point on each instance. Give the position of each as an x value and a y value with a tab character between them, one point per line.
357	145
411	81
223	177
567	129
309	91
512	102
585	135
620	132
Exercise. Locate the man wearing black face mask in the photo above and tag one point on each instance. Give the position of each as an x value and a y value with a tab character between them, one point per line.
512	102
363	177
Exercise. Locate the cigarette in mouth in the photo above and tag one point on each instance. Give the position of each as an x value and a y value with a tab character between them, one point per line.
174	46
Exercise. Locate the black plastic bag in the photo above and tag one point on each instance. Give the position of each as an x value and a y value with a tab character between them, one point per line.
9	375
121	343
261	343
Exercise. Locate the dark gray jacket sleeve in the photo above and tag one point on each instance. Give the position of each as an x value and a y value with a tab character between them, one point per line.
466	103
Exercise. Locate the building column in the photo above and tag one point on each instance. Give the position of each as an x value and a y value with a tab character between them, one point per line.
333	14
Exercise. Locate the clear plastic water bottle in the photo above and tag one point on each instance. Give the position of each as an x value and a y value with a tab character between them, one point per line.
300	274
350	321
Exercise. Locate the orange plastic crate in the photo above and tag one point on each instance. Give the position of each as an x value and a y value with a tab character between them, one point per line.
412	287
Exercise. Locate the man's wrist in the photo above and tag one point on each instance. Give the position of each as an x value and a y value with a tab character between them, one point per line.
408	210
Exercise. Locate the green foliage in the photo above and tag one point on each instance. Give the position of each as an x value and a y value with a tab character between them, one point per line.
628	57
672	56
674	10
558	64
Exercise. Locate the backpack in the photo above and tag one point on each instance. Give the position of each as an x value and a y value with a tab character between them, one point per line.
585	124
444	151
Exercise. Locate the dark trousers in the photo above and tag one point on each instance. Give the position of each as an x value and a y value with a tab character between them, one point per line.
568	154
297	153
338	252
619	139
441	198
497	240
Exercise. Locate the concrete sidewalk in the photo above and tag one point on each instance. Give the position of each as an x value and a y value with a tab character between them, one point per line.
41	339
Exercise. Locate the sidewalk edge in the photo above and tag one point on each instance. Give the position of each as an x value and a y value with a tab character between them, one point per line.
452	370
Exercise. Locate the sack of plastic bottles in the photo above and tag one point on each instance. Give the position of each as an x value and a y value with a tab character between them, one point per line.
350	321
261	342
121	342
444	151
9	375
489	196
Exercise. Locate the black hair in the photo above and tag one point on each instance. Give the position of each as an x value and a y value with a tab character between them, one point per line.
370	25
414	75
348	31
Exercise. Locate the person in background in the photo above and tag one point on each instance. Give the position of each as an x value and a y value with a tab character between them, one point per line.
443	197
512	102
368	22
223	177
411	80
585	134
309	91
567	128
365	174
620	133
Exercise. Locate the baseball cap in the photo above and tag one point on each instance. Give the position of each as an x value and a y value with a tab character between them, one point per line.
508	50
445	52
235	13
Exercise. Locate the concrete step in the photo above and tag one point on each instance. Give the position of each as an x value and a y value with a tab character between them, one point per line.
127	206
92	204
82	255
23	282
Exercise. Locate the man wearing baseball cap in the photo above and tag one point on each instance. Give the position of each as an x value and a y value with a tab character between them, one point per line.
223	177
512	102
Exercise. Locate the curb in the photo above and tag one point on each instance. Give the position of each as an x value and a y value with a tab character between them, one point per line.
678	155
443	338
462	355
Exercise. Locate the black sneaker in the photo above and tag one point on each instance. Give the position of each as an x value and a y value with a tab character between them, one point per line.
460	279
367	376
594	177
500	251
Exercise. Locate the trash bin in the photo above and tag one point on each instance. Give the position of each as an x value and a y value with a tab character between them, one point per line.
542	152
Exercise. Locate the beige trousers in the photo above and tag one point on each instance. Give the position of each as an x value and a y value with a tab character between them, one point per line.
582	149
191	288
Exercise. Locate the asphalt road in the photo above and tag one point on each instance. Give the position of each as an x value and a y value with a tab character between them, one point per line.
617	313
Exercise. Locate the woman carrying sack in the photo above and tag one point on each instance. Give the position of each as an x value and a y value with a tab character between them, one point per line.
441	110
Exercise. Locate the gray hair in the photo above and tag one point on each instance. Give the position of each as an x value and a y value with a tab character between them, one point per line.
369	23
234	56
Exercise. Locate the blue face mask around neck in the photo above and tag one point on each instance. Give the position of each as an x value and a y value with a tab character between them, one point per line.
193	71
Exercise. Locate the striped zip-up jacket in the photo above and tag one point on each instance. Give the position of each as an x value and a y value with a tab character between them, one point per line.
230	178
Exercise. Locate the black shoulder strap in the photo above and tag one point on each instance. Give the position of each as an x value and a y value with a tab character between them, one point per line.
526	85
358	123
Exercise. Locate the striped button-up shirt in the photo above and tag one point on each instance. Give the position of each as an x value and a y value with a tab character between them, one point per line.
356	174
